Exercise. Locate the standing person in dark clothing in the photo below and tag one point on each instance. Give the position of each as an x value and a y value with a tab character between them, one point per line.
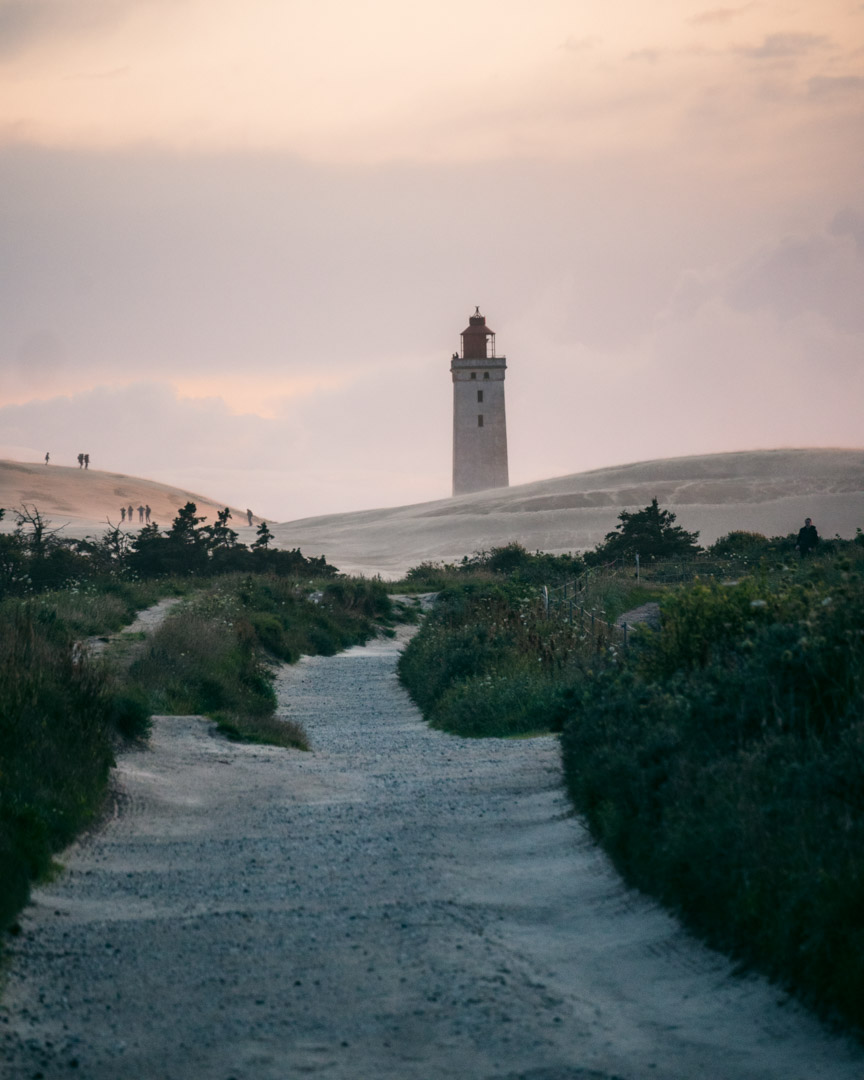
808	538
147	513
47	457
80	461
122	513
86	461
249	517
129	511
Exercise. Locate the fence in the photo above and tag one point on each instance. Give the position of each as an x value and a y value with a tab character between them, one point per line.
567	601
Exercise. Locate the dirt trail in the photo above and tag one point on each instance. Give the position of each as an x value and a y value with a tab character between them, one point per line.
398	904
145	622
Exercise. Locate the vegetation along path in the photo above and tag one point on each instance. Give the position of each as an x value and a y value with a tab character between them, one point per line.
398	904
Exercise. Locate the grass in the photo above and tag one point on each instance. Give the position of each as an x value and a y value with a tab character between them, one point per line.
486	662
216	655
98	608
63	711
56	725
720	761
722	767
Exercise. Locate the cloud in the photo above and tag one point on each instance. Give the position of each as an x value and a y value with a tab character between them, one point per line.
24	23
719	15
581	44
650	56
820	273
824	87
786	46
848	222
370	444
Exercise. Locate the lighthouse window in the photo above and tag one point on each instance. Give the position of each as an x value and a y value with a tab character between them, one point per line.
485	374
473	374
479	395
480	420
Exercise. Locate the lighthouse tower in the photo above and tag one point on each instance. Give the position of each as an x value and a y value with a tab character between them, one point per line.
479	422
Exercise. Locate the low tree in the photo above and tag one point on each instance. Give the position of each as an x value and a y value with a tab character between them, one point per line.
264	538
650	533
218	535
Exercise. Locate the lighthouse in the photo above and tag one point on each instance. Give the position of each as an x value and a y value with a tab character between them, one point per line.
479	421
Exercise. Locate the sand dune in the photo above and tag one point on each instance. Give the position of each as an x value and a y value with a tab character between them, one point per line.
84	499
768	491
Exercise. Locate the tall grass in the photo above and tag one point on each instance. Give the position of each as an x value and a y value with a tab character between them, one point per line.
61	711
720	761
215	656
56	713
486	662
722	767
98	607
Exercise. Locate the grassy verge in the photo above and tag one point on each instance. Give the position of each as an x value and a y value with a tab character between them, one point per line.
102	607
487	663
722	767
56	723
61	712
719	761
215	656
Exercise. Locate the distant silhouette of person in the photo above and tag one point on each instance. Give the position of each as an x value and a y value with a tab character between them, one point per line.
86	461
129	511
147	514
808	538
140	515
80	461
122	513
249	517
47	458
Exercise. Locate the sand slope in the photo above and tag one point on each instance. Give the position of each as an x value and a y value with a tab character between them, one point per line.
768	491
85	498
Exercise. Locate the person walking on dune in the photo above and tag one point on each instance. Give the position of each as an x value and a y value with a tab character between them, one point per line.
122	514
86	461
129	511
80	461
147	513
47	457
140	515
249	517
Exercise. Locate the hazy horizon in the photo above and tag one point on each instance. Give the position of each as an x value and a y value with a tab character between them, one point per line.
238	245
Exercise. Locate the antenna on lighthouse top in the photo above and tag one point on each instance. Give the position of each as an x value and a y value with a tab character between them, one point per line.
477	309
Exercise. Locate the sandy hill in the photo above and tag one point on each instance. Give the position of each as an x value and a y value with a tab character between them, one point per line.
82	499
768	491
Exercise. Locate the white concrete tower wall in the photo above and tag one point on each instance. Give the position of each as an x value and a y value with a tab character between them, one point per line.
479	416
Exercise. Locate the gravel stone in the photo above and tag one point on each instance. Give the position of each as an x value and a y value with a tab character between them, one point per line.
397	904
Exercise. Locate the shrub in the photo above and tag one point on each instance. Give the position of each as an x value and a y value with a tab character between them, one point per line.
722	769
55	747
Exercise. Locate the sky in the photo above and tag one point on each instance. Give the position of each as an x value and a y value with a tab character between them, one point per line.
239	238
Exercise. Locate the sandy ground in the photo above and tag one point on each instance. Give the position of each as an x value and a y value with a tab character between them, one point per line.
397	904
85	500
768	491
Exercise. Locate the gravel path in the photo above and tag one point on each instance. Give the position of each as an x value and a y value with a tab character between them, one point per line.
398	904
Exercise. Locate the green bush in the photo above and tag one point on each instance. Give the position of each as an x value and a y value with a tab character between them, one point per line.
55	747
722	768
487	662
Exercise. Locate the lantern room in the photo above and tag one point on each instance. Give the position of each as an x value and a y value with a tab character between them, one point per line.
478	341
